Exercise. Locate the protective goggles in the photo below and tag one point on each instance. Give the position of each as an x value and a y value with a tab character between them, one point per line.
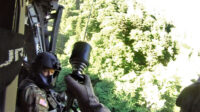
50	70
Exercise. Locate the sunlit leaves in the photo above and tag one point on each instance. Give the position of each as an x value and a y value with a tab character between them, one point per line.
127	44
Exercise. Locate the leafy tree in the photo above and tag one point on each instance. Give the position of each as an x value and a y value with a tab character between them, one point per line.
127	44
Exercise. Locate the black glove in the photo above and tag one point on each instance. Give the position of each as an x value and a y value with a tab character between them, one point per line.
84	94
189	98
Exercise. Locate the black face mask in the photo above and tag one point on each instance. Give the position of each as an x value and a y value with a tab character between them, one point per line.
50	79
44	82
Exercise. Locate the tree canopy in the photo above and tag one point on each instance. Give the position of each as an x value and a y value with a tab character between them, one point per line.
128	43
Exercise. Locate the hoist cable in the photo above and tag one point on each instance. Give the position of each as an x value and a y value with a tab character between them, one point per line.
88	21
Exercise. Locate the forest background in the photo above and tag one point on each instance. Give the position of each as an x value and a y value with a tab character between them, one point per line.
137	63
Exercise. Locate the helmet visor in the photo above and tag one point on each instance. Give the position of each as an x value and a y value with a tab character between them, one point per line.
49	71
52	71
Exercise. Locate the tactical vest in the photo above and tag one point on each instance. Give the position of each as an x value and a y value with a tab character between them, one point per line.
31	98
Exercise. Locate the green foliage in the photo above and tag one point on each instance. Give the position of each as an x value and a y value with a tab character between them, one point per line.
126	47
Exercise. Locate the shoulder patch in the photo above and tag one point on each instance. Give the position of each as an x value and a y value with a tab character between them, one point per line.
43	102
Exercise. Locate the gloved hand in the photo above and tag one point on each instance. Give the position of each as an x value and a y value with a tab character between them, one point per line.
189	98
84	94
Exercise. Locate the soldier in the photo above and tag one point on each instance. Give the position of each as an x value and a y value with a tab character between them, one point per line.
32	91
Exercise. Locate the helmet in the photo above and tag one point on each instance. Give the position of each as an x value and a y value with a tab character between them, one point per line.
45	60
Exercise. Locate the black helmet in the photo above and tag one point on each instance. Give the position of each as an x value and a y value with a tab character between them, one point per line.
42	61
46	60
